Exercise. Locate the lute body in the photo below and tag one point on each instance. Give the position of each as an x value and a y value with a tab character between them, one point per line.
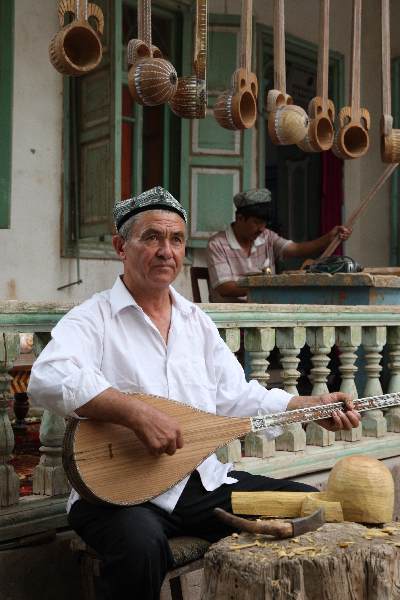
108	463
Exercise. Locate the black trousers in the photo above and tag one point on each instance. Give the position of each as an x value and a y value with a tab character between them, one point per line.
133	541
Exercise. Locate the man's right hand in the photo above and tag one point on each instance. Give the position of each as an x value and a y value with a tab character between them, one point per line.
158	431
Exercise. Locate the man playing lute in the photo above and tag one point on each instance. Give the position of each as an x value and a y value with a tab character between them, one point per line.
143	337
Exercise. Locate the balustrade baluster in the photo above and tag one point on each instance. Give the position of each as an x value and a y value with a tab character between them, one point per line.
9	480
258	342
49	477
232	452
373	338
320	341
348	339
290	340
393	340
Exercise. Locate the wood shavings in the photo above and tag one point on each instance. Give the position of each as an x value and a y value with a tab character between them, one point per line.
375	533
295	540
345	544
390	530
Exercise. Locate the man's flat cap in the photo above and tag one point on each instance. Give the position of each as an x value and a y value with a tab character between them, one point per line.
252	197
155	199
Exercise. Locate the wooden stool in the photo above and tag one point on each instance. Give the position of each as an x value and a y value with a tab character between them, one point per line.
187	552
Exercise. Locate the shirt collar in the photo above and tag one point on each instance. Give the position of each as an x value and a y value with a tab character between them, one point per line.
120	298
234	244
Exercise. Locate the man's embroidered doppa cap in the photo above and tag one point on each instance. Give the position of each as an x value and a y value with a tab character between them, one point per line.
155	199
252	197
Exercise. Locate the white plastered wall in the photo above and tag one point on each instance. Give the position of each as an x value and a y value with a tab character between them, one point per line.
32	267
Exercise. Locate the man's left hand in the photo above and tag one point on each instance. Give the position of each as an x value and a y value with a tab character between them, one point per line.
341	419
340	231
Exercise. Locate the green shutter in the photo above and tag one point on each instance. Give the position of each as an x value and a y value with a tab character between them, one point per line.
6	84
95	143
215	162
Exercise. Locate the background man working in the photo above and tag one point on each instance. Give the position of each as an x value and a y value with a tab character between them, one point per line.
143	337
247	246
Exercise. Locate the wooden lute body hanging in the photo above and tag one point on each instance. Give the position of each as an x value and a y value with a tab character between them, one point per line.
108	463
390	138
321	110
237	108
287	123
190	98
152	80
352	137
76	49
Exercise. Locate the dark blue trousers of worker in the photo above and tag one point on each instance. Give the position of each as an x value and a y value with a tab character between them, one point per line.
133	541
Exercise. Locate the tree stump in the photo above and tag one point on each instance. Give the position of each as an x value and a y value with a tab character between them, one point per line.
340	561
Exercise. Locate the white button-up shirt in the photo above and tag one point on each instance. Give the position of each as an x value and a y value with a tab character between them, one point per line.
109	341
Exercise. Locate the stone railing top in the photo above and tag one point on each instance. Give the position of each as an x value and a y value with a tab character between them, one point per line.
25	316
300	278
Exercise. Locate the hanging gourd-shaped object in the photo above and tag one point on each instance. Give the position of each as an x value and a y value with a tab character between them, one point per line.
321	110
76	49
237	108
352	138
390	138
190	99
287	123
152	80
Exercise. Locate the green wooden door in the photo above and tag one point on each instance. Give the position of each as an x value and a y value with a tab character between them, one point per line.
215	162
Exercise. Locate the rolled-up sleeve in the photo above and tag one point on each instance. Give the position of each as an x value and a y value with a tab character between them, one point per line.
67	373
219	267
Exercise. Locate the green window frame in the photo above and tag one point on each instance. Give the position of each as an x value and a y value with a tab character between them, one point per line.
6	96
98	245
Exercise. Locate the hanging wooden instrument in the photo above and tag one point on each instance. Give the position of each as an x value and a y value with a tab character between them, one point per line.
390	138
321	110
352	138
361	208
76	49
237	108
190	99
287	123
108	463
152	80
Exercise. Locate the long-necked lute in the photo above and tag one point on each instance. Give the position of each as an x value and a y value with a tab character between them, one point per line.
108	463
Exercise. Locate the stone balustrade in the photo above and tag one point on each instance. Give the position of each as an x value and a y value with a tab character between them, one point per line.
364	340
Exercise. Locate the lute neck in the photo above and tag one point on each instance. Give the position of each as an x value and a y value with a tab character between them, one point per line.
324	411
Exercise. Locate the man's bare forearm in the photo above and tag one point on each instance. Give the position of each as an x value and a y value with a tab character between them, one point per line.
231	289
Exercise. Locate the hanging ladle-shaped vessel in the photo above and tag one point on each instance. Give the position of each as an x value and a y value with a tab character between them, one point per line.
190	99
237	108
152	80
76	49
352	138
390	138
287	123
321	110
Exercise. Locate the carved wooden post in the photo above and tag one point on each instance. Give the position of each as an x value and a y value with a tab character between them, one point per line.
9	480
289	341
374	338
231	452
348	339
258	342
320	340
393	339
49	477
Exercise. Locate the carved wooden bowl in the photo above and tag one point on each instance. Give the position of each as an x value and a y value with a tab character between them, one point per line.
152	81
287	124
76	49
365	488
320	135
351	139
223	110
390	147
190	99
236	111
